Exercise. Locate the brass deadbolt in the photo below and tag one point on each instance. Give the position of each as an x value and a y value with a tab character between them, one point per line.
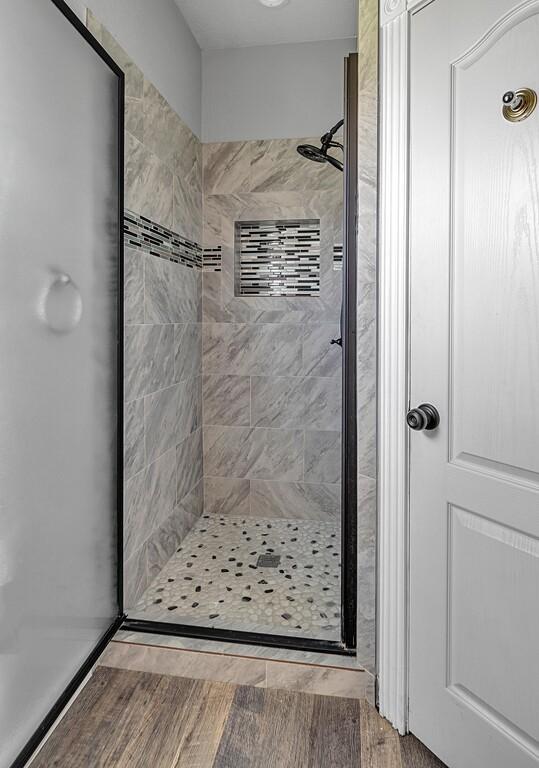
518	105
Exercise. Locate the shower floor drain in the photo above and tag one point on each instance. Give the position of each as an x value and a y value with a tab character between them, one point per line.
268	561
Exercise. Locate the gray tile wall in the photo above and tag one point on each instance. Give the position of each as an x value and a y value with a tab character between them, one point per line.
163	333
366	331
272	381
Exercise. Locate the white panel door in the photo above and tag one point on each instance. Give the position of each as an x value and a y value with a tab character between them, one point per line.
474	344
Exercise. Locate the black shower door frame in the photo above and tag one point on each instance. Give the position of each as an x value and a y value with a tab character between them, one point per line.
347	644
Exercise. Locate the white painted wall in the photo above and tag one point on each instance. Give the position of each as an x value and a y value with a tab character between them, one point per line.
156	36
275	91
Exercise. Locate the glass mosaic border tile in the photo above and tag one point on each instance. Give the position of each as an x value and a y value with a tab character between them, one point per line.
337	255
211	259
146	235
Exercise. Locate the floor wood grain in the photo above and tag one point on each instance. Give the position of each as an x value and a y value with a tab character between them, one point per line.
143	720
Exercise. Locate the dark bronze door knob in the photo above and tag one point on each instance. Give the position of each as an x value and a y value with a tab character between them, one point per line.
425	416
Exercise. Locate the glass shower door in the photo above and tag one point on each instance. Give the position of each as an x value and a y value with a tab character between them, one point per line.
59	277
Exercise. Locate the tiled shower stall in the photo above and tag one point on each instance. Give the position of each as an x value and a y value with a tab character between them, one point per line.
232	389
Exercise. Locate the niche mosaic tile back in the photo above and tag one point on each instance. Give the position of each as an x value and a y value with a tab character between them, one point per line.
258	575
277	258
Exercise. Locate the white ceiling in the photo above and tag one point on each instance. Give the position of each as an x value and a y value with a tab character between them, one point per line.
241	23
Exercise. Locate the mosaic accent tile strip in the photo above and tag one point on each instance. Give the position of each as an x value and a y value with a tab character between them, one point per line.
144	234
227	573
338	250
211	259
277	258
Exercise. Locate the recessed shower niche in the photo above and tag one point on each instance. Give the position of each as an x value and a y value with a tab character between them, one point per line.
277	258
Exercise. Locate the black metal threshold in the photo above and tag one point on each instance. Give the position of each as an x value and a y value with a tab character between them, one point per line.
48	721
237	636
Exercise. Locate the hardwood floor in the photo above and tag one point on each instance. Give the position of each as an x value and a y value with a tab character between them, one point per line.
142	720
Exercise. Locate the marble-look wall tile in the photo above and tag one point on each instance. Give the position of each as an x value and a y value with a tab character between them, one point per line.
187	351
227	167
187	157
150	497
134	456
190	508
220	212
226	400
135	576
253	453
134	118
167	538
323	403
144	564
133	287
148	183
226	496
320	356
160	489
172	291
244	349
94	26
323	458
366	379
135	530
162	126
187	211
225	348
149	359
277	402
310	402
134	79
171	415
301	501
276	166
187	207
161	546
366	572
211	297
188	464
282	396
159	146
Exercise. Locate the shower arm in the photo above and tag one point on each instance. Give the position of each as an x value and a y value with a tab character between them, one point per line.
327	138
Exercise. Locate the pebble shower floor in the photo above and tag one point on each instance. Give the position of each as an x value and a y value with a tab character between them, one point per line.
262	575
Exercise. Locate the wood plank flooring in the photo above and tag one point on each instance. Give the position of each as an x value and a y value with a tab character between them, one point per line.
141	720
